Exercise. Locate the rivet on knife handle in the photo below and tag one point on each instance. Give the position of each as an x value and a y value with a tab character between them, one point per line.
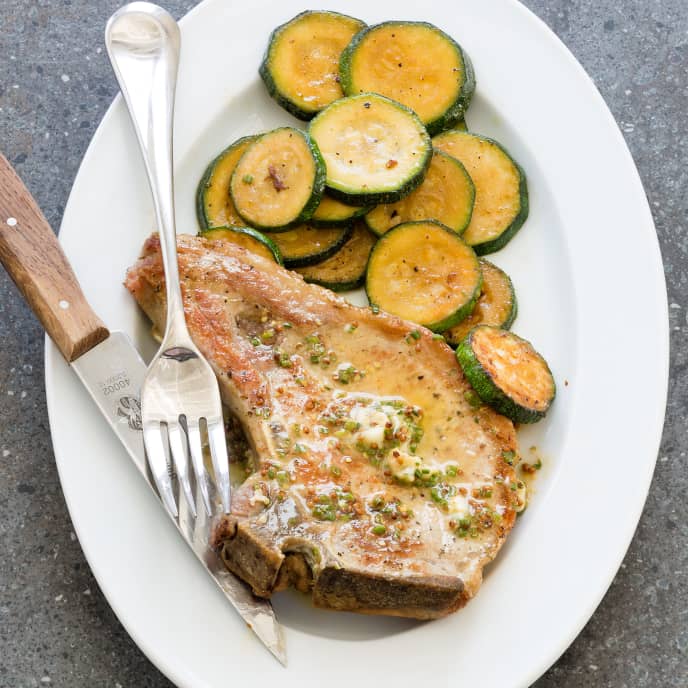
33	257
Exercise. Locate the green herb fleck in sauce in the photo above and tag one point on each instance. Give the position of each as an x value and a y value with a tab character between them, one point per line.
283	359
509	457
345	374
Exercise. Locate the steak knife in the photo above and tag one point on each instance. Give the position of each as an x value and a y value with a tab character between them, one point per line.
109	367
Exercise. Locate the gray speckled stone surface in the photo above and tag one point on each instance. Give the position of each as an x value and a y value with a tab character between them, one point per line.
55	84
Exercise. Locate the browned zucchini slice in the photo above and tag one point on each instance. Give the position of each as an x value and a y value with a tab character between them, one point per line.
414	63
507	373
446	195
306	245
376	150
496	306
334	213
279	180
424	272
501	190
346	269
301	65
214	206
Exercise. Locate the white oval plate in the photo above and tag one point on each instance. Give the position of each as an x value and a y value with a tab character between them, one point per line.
588	273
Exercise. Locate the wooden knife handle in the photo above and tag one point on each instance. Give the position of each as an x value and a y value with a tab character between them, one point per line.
33	257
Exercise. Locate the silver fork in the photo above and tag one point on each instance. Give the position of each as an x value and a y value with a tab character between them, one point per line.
180	390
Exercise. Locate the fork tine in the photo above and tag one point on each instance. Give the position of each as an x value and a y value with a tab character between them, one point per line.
196	450
218	451
157	461
181	462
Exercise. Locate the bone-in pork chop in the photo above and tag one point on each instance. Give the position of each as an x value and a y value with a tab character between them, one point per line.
381	485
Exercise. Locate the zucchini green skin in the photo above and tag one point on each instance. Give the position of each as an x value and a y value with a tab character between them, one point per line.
248	231
366	239
505	324
265	67
488	391
204	221
377	197
318	257
339	286
201	215
458	316
316	192
373	199
509	320
498	243
357	213
454	114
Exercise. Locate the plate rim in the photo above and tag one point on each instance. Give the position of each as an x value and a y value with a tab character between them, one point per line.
655	428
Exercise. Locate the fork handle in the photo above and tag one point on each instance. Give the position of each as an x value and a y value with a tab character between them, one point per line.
34	259
143	43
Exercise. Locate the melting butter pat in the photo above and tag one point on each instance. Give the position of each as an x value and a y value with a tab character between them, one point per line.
458	507
403	466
